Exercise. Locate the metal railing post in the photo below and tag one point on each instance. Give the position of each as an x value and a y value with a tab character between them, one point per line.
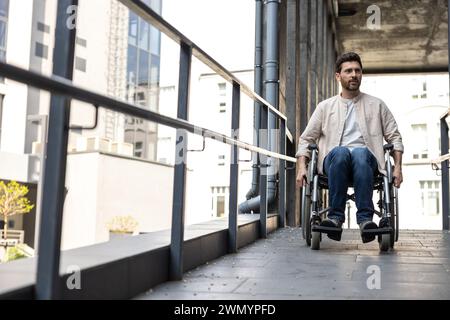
47	282
234	172
179	180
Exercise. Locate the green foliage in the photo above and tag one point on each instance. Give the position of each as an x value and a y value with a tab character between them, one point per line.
14	253
13	200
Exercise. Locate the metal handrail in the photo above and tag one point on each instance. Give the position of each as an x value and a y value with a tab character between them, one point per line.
63	89
150	16
67	88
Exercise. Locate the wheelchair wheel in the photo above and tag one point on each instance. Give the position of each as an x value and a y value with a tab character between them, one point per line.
315	241
393	221
385	242
306	204
396	213
306	217
308	234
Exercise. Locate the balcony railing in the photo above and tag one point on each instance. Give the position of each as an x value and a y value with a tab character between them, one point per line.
63	91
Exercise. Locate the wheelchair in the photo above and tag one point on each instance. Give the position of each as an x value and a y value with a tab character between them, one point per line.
315	205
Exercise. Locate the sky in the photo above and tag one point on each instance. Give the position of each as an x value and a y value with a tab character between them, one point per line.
223	29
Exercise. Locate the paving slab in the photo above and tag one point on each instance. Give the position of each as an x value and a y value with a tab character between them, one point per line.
283	267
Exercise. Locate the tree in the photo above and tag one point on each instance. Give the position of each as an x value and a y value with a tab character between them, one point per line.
12	202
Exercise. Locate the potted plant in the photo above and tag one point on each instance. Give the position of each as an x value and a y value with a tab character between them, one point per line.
120	226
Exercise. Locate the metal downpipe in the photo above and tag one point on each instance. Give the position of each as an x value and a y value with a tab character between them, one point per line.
271	82
254	191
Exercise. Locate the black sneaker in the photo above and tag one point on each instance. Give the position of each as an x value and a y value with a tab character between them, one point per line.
333	223
367	225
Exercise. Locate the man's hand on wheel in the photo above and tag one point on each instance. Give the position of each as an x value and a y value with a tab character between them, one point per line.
301	178
398	176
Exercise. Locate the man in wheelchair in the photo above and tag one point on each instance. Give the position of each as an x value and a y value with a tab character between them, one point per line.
345	135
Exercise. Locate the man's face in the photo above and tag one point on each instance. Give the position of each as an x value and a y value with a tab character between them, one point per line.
350	76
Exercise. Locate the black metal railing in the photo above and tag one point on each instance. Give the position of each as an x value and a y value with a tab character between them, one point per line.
63	90
443	161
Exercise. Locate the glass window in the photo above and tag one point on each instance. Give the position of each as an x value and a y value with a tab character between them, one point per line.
41	50
2	34
80	64
4	6
131	65
155	40
154	71
133	29
143	68
81	42
43	27
420	139
430	196
144	35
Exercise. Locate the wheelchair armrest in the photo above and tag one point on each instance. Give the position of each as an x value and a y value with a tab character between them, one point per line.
388	147
313	146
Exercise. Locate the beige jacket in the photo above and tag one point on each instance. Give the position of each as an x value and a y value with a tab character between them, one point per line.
326	126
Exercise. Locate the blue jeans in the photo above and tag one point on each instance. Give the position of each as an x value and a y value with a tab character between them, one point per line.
344	167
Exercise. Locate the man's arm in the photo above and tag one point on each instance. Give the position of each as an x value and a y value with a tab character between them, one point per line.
312	132
310	135
398	176
301	171
392	135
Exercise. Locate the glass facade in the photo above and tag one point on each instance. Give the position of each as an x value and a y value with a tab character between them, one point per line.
143	74
4	7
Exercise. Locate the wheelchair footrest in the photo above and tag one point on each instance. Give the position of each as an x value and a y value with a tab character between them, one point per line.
332	233
378	231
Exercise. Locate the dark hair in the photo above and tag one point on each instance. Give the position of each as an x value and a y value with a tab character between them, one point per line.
347	57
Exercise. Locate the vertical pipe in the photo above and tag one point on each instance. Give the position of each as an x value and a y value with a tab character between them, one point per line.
445	175
179	180
258	89
330	71
445	146
292	103
326	50
320	47
304	52
48	282
234	171
282	176
313	58
271	82
263	175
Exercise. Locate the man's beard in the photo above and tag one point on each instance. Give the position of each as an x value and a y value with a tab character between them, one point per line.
351	86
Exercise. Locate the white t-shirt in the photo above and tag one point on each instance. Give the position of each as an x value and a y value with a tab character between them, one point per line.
351	136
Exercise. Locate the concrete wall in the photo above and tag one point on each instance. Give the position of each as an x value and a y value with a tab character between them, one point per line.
15	101
99	189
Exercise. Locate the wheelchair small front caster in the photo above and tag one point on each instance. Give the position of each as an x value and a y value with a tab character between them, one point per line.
315	241
385	242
